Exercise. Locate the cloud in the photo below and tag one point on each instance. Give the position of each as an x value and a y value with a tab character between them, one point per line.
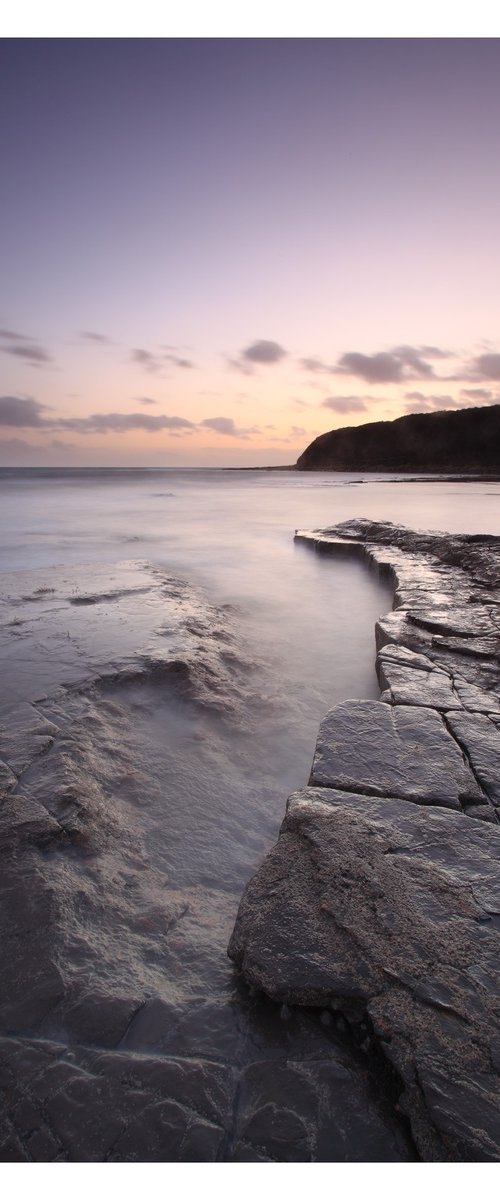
21	346
404	362
298	431
299	405
26	413
154	363
344	404
264	352
122	423
487	366
434	352
144	358
8	444
97	339
227	426
468	398
146	400
479	394
177	360
22	413
423	403
316	365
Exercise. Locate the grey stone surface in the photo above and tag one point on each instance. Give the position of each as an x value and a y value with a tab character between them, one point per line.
412	684
382	750
391	911
385	911
7	779
481	742
80	1104
24	734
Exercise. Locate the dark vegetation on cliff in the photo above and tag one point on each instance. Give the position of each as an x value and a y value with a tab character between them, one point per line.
467	440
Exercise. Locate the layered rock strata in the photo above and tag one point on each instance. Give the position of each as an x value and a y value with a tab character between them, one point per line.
381	899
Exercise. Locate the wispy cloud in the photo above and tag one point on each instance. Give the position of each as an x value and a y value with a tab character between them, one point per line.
344	404
434	352
226	426
19	345
479	396
26	413
154	362
177	360
7	445
146	400
316	365
96	339
116	422
486	366
419	402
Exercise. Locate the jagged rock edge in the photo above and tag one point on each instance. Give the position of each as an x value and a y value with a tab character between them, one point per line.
427	1140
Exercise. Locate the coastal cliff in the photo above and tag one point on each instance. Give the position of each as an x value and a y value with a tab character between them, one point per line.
381	898
467	440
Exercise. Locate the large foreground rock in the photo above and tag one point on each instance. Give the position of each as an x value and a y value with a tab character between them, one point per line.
391	912
380	901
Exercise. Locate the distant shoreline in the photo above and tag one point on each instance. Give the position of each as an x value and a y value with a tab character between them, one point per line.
389	475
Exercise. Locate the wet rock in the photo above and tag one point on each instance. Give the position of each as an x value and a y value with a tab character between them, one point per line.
78	1104
24	821
89	1107
452	622
382	750
474	698
32	983
480	740
386	911
395	911
7	779
24	734
407	684
309	1111
90	1016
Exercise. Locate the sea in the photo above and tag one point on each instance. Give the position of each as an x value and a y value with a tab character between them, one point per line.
185	649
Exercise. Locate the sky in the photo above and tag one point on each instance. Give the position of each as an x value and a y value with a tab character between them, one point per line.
215	249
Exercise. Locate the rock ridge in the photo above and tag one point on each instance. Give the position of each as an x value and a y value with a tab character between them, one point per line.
381	898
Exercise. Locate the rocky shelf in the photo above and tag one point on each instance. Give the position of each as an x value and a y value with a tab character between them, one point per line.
381	898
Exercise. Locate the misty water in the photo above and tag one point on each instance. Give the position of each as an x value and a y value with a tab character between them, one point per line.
193	783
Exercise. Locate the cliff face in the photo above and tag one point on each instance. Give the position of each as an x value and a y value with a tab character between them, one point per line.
467	440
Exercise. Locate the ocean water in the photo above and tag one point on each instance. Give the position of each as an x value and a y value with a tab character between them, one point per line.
185	649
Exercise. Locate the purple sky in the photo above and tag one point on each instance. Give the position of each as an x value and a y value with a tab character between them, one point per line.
213	250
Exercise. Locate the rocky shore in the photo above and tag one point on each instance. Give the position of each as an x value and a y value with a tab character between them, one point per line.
126	834
381	899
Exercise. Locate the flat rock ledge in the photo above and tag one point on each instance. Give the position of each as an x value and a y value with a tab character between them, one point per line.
381	899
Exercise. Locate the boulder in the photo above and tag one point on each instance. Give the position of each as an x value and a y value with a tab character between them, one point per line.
391	913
